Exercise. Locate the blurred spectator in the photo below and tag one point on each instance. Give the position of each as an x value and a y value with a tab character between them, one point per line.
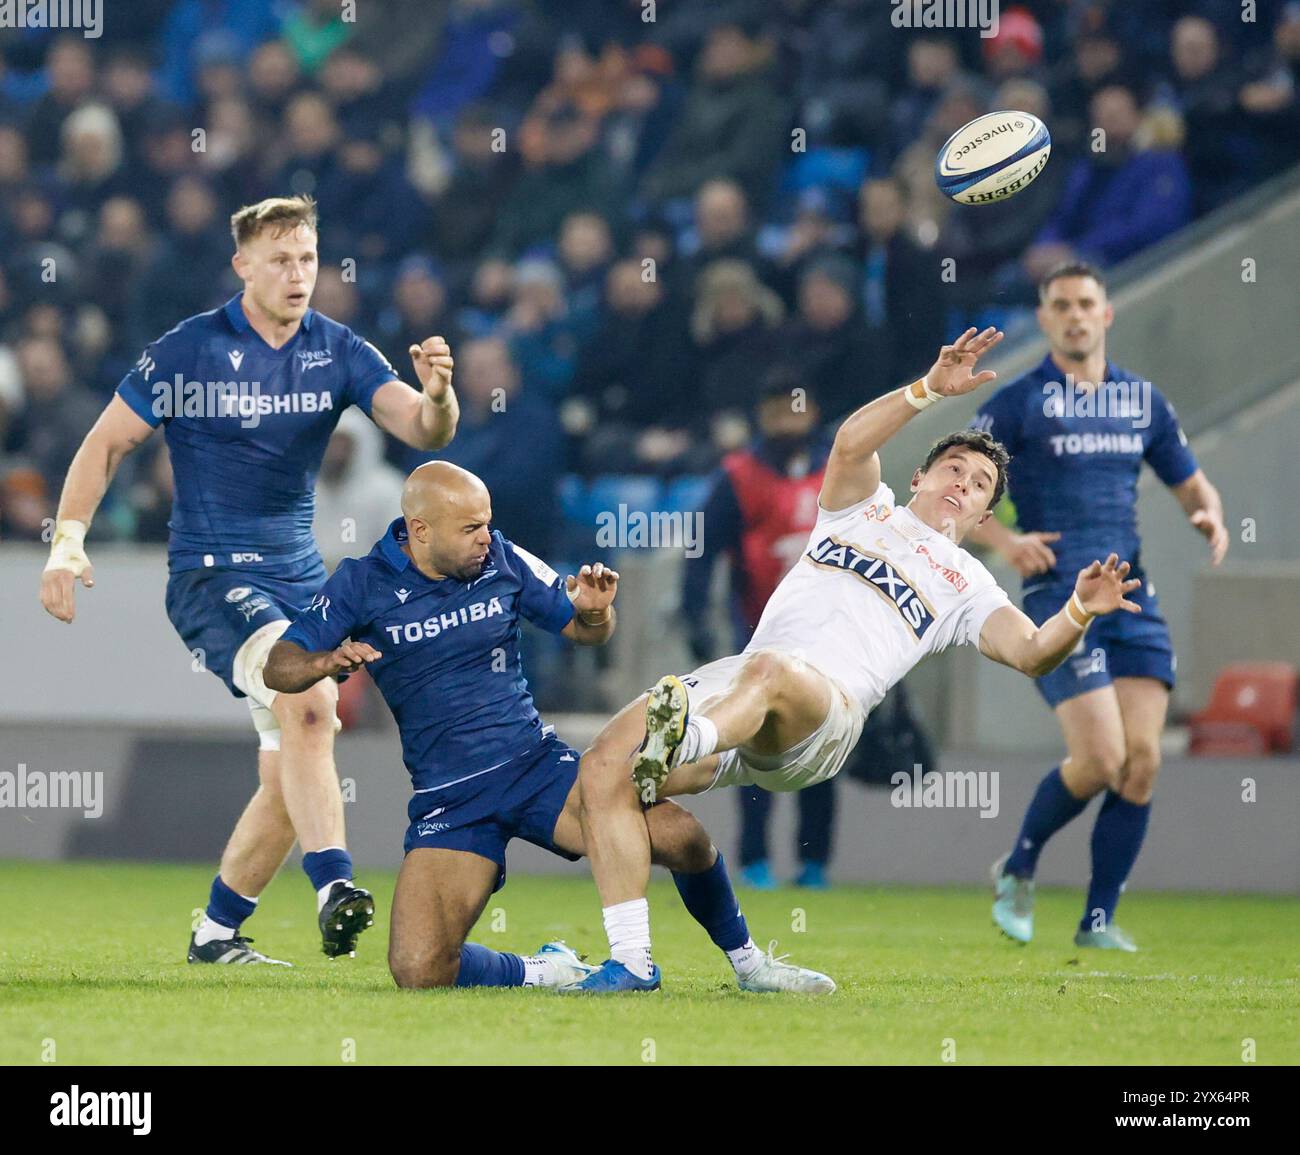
70	66
932	65
129	89
843	83
231	160
511	440
90	170
273	78
190	271
563	171
734	326
1270	99
308	161
315	30
117	257
732	125
722	228
357	493
1203	90
1117	200
56	413
367	206
489	296
167	147
1016	52
195	27
540	330
338	298
902	299
1095	62
633	395
418	309
585	251
469	207
836	353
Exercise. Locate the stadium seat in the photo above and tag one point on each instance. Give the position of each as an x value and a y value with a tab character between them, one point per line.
1251	711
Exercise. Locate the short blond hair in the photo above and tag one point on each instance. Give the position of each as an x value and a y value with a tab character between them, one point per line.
282	214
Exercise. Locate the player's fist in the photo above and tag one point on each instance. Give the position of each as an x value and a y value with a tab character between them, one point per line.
350	657
951	375
593	589
1030	553
67	563
1101	588
433	365
1216	533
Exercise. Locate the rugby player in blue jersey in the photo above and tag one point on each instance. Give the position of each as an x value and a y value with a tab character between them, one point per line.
1078	429
248	395
434	612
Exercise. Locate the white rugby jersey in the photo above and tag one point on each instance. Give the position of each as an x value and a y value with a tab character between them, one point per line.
874	592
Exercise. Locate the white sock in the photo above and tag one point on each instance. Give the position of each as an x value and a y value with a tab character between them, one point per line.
699	741
628	926
744	958
209	930
322	895
539	971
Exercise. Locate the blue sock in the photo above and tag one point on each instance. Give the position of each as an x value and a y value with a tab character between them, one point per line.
713	904
1051	808
481	966
324	866
1116	840
226	907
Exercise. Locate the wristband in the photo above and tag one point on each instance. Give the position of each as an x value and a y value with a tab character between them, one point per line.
919	395
586	621
1083	613
67	550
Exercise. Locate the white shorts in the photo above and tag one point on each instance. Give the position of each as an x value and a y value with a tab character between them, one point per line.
817	758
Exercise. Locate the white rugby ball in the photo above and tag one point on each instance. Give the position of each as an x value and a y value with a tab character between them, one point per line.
993	157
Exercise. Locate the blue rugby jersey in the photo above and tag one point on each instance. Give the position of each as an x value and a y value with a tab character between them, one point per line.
1075	461
451	671
246	426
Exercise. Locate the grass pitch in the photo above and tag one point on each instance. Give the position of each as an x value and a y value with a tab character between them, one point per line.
94	960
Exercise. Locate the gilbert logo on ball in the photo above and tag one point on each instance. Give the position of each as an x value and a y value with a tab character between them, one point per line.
992	158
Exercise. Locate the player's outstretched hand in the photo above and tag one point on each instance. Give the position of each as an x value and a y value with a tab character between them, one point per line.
350	657
1101	588
593	589
1030	553
951	374
1216	533
68	562
433	365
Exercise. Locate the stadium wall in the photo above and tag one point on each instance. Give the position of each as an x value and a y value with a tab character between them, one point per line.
169	796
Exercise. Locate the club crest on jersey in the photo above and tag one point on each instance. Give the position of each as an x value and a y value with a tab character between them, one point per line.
314	359
883	577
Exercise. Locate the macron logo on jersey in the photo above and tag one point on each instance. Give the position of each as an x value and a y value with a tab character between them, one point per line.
236	358
881	576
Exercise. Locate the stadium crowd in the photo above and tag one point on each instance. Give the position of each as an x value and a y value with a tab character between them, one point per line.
621	229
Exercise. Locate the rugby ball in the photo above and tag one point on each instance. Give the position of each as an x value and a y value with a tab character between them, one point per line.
993	157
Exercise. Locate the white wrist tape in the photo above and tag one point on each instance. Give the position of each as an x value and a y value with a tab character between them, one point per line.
1083	618
67	550
919	394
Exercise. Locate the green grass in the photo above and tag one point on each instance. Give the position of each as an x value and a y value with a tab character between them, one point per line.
93	958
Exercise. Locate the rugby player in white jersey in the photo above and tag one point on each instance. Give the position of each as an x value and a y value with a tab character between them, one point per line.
879	586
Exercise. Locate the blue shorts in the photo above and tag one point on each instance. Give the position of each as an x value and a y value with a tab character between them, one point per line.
481	814
1120	645
216	610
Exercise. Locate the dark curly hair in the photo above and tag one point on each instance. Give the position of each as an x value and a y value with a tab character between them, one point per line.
980	442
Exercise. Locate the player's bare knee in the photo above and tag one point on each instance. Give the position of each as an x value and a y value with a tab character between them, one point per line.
1140	770
310	712
1100	768
601	780
424	969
